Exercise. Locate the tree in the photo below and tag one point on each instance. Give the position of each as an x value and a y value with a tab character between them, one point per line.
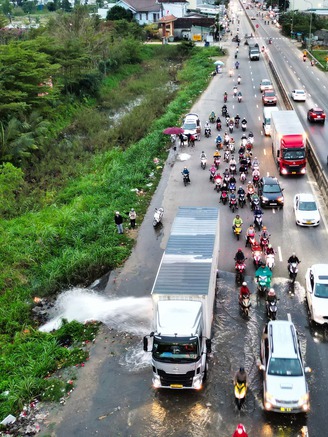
119	13
6	7
11	181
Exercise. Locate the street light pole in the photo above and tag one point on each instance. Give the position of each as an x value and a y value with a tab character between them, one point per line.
310	28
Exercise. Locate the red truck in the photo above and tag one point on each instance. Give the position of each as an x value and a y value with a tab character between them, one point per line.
288	142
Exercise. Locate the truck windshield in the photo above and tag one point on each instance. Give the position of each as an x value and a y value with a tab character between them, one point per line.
285	367
293	154
184	350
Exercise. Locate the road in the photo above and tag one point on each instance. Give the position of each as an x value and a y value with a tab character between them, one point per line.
114	395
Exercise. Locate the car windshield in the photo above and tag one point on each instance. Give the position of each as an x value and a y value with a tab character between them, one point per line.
171	351
285	367
269	94
271	189
266	82
190	126
292	154
307	206
321	290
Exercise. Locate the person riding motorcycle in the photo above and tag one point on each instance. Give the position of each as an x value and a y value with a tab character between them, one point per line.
237	222
263	270
218	140
264	234
235	90
203	155
218	120
255	163
211	117
270	250
241	376
240	431
216	154
231	72
239	257
232	180
255	200
237	65
258	212
244	121
271	297
185	172
232	161
232	197
256	174
225	96
239	95
241	191
224	110
237	118
239	79
293	259
244	292
249	233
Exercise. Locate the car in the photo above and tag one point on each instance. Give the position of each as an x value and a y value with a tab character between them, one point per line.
316	114
192	125
316	280
269	98
285	389
266	85
298	95
306	210
270	192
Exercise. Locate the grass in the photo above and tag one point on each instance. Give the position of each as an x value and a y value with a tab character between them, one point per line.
70	238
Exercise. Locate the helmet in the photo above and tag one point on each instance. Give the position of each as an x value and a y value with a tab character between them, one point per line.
293	254
270	246
240	429
244	284
132	209
255	158
241	369
203	151
185	168
237	216
271	292
251	225
264	228
237	115
239	250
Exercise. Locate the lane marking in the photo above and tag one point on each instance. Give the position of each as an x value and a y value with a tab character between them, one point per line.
279	254
264	152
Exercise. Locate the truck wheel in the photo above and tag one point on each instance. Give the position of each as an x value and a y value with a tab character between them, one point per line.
205	372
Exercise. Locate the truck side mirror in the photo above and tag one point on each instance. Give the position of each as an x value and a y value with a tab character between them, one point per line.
145	343
208	345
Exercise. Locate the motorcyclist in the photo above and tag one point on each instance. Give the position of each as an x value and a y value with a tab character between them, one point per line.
241	376
239	257
271	297
237	222
237	118
241	191
232	180
226	139
239	95
226	174
244	292
264	234
231	72
256	175
240	431
255	200
235	90
293	259
232	161
239	79
225	96
255	163
218	120
244	121
185	172
203	155
224	110
258	212
216	154
232	196
218	140
270	250
212	171
263	270
211	117
249	233
237	65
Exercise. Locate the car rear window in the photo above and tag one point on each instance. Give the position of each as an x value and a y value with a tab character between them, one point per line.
308	206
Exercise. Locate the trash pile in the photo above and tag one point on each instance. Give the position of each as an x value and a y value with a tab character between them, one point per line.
26	424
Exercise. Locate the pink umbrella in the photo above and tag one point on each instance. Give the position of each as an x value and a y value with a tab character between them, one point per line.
173	131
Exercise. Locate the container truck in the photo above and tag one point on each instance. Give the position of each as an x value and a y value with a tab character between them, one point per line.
183	297
288	142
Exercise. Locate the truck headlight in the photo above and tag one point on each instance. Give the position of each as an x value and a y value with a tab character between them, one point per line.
156	381
197	382
284	171
303	170
269	401
303	401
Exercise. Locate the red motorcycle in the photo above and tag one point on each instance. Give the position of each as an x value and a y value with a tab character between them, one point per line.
233	204
218	126
257	254
217	161
256	180
264	242
240	267
250	240
224	197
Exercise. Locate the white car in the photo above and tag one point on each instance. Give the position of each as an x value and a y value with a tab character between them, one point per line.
306	210
317	292
266	85
298	95
192	125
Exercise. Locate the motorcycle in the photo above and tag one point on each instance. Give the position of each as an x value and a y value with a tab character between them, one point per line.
255	202
217	182
233	204
240	98
232	186
256	180
240	393
212	174
293	270
218	142
207	132
242	177
237	231
249	145
217	161
203	162
240	267
236	123
232	147
258	221
251	138
212	118
186	179
269	261
245	305
158	215
264	242
250	240
225	98
263	284
218	126
271	309
241	200
231	127
239	80
243	126
224	197
256	254
226	156
224	112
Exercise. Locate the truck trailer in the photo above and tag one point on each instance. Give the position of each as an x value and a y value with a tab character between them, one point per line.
288	142
183	297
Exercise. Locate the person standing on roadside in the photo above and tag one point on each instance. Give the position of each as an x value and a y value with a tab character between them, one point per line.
119	222
132	217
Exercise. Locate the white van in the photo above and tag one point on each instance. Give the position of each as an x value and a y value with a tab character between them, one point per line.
285	389
267	119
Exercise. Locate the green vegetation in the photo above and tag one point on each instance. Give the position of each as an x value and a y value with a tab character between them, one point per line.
64	173
299	22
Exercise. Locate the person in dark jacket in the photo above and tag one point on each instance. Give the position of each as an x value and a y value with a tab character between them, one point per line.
119	222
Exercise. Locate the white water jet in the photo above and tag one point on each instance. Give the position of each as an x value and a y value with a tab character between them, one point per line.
128	314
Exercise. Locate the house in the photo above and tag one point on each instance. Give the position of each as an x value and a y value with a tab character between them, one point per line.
144	11
195	27
321	37
178	8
